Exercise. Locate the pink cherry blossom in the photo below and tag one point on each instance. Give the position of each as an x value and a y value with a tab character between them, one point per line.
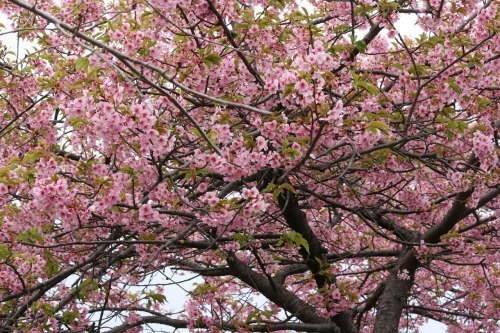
211	198
301	86
284	168
3	189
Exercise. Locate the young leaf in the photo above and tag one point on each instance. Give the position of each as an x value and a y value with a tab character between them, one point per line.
368	87
288	187
82	63
213	58
379	125
4	252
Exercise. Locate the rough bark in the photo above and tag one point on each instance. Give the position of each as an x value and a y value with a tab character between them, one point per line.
297	221
276	293
395	295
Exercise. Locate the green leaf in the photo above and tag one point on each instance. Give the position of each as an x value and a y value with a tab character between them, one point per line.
481	128
213	58
483	102
368	87
360	45
77	122
256	314
398	66
82	63
4	252
239	237
288	187
158	298
242	239
269	187
420	69
289	88
32	156
146	15
304	9
202	289
31	236
196	132
462	126
252	315
277	3
448	112
48	309
276	194
377	124
185	74
440	119
455	87
70	316
355	78
298	240
51	266
436	39
291	152
86	286
268	314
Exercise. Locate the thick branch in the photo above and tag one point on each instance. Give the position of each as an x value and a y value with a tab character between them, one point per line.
315	255
296	220
396	292
268	327
276	293
454	215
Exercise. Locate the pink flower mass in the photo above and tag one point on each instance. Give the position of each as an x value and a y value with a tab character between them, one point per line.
249	166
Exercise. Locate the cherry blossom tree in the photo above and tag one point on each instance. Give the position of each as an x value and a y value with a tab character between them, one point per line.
316	169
